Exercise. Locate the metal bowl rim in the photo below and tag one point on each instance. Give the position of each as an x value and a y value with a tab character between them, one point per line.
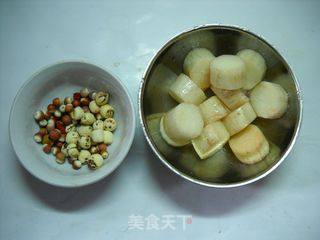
171	167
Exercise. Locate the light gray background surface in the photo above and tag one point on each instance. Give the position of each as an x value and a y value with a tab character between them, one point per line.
123	36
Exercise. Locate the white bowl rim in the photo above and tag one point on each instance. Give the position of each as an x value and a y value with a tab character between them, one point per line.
130	137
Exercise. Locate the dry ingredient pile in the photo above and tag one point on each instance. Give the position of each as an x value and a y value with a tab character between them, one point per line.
78	129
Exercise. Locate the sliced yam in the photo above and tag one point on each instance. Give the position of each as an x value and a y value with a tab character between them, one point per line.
213	110
250	145
185	90
181	124
269	100
153	126
170	141
176	55
227	72
255	67
254	169
197	66
231	98
239	119
212	139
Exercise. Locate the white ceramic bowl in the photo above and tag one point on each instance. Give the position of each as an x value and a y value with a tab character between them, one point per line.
61	80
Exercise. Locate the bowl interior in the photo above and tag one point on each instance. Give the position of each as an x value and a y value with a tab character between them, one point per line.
223	168
63	80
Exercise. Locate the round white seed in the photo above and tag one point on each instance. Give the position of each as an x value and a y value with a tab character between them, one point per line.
84	92
110	124
85	142
72	137
84	156
62	108
84	130
78	113
107	111
97	136
94	108
107	137
95	161
43	123
98	125
88	118
101	98
57	113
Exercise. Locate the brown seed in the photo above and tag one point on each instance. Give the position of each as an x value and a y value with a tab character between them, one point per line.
51	108
84	101
76	103
56	102
102	147
47	115
60	157
54	134
69	108
60	126
77	96
46	148
59	144
46	139
76	164
42	132
66	119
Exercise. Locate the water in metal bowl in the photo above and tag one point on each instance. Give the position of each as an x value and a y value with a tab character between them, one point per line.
222	169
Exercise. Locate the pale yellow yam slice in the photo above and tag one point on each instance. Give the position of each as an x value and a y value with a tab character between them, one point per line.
185	90
212	139
239	118
227	72
183	123
212	110
269	100
231	98
255	67
168	139
250	145
197	66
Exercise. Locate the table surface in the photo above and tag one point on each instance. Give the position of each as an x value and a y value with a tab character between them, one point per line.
123	36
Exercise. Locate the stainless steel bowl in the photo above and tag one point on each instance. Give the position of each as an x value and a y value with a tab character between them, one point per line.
223	169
